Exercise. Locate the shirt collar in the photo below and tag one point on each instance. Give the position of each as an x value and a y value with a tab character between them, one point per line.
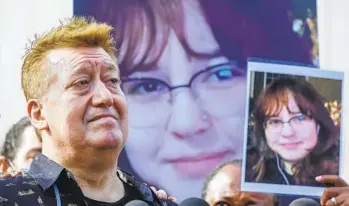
45	171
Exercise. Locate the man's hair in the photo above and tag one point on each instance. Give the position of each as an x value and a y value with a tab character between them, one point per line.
215	172
13	138
75	32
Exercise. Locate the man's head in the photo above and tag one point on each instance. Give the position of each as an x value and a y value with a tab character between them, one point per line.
70	79
21	145
222	188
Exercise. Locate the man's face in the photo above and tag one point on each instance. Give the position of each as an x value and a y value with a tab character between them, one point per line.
224	190
29	147
84	107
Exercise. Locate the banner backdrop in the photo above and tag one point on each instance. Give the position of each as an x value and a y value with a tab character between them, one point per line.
183	67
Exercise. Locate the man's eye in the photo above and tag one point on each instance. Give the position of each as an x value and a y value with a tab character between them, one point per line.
114	81
223	203
83	82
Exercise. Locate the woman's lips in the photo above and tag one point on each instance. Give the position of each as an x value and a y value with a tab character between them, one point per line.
197	166
294	145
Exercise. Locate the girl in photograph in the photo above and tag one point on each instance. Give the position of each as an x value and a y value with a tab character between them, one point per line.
294	137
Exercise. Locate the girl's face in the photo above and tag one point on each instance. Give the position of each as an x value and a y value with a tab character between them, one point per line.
291	134
186	114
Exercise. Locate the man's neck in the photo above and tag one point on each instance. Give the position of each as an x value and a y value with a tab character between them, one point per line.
105	187
94	171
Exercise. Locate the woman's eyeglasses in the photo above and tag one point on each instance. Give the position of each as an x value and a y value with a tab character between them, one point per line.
297	122
214	88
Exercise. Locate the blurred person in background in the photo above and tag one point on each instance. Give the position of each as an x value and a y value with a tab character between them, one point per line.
183	70
223	188
20	147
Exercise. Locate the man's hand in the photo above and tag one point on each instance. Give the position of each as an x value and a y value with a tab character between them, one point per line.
337	195
9	175
161	194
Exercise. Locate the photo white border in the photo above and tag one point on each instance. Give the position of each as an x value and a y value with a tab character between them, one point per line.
279	67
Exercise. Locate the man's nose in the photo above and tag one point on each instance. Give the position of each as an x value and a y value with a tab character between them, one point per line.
102	97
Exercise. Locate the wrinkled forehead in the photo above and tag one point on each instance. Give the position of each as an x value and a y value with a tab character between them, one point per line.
67	59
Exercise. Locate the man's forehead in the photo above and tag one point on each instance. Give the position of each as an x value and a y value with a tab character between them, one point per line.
226	182
70	57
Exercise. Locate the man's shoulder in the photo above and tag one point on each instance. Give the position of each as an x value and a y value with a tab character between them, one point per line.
21	185
10	183
22	180
147	193
144	189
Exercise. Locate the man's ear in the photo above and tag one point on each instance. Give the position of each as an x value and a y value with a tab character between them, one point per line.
36	115
4	164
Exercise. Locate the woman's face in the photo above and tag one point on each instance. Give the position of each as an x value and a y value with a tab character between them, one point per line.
179	134
291	134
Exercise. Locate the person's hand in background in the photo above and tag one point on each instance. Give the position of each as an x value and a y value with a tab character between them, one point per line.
335	195
161	194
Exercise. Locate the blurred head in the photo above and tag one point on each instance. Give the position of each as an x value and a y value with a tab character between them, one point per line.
291	121
20	147
71	80
179	61
222	188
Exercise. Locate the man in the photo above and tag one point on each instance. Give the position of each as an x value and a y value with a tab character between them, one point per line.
20	147
222	188
70	78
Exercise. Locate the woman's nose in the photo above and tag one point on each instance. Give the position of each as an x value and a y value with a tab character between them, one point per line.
187	118
287	130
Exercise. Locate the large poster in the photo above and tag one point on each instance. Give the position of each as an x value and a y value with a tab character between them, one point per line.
183	67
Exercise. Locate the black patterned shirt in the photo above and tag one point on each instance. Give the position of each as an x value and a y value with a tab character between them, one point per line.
48	183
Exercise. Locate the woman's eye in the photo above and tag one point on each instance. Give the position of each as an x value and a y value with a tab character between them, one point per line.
147	88
221	75
300	117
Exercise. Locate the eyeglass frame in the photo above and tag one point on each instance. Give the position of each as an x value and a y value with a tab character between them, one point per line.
288	121
188	85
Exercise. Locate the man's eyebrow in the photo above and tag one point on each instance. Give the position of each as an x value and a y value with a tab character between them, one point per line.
108	63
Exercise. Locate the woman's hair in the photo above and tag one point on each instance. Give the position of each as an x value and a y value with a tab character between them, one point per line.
242	29
323	159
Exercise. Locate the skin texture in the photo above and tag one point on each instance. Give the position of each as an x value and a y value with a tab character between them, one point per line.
224	190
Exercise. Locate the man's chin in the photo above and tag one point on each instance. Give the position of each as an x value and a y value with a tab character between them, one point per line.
105	143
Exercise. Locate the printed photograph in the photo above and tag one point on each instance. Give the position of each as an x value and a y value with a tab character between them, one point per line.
293	131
